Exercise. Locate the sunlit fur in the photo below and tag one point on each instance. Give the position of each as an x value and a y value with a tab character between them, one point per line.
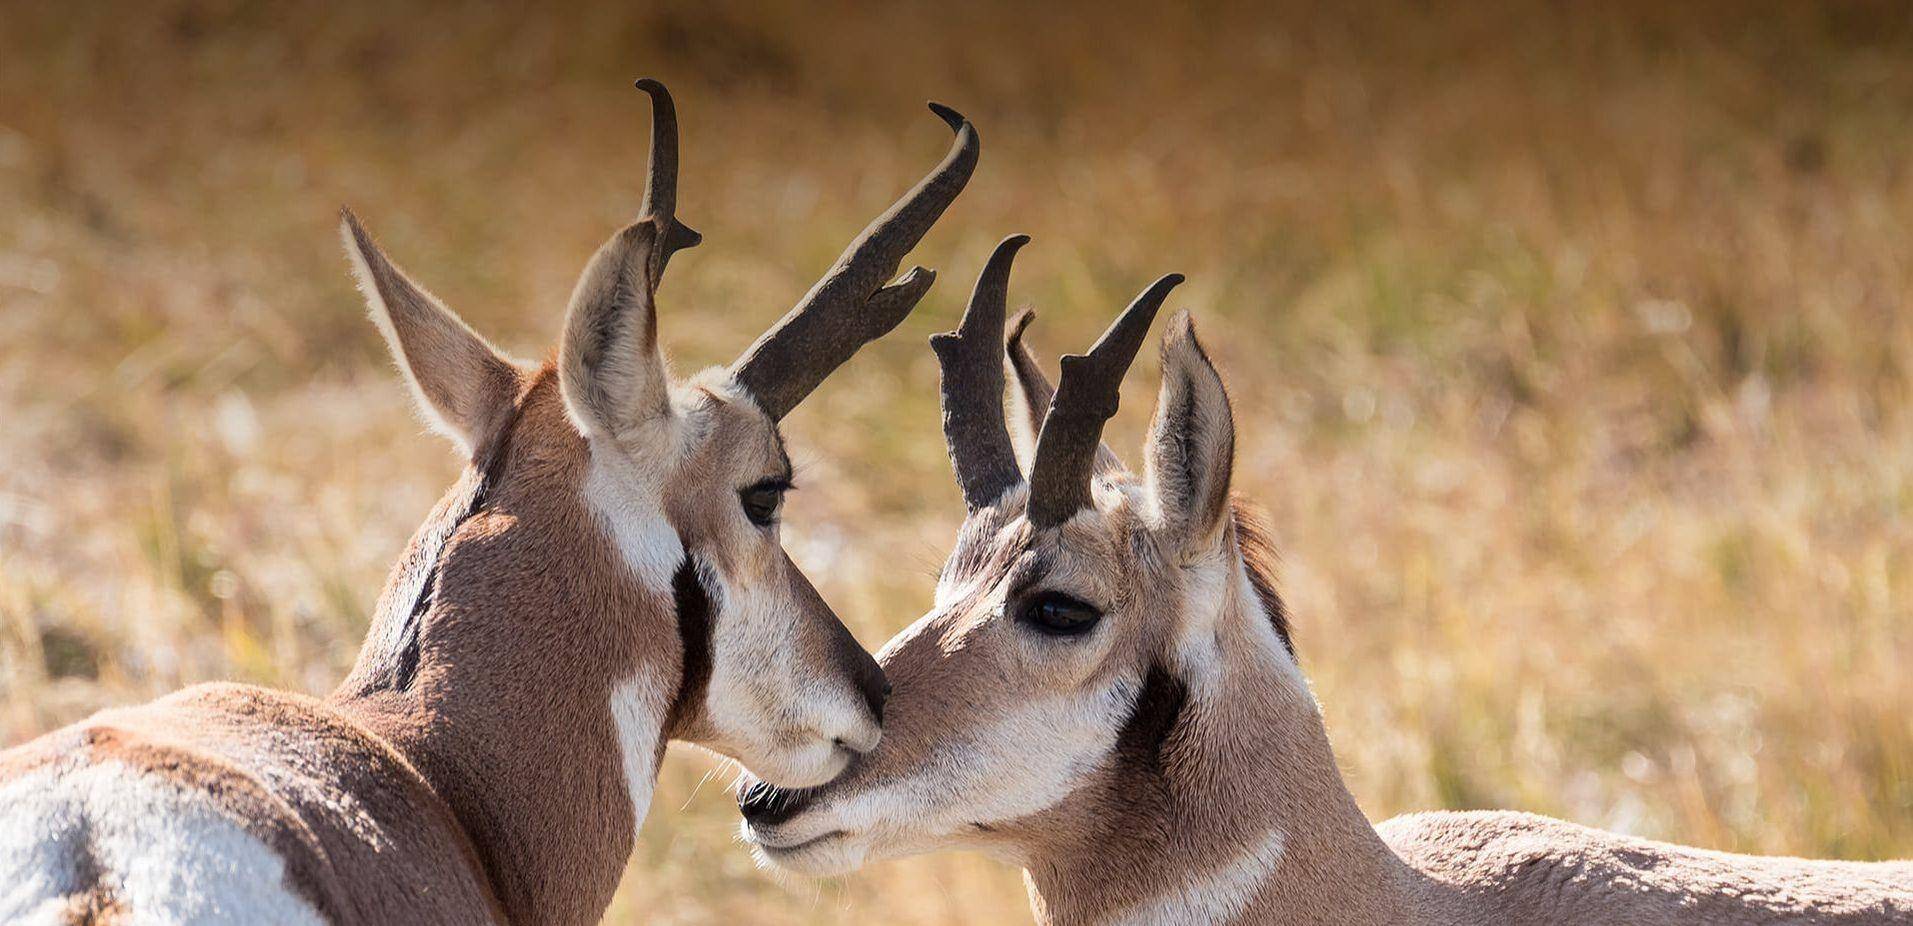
589	588
1172	767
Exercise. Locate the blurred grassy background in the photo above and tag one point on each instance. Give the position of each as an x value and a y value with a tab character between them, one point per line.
1570	348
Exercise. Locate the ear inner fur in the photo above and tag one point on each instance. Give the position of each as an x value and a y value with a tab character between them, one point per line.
1191	443
610	366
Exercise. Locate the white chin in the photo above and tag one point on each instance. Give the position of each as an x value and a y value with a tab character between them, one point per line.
832	855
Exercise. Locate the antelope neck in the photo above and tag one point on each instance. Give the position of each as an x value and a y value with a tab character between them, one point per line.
540	674
1224	806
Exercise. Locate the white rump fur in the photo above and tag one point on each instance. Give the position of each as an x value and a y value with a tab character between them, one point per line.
170	857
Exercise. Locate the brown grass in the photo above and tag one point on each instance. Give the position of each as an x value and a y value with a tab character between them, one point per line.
1570	344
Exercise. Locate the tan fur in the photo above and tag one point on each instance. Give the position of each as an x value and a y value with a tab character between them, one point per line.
305	779
477	764
531	625
1524	869
1212	795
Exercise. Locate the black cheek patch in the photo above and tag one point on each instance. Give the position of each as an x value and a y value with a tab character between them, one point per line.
693	605
1139	745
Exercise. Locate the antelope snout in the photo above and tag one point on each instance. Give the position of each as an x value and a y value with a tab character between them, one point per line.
872	690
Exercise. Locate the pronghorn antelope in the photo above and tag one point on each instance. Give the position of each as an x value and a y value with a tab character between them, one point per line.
605	575
1105	693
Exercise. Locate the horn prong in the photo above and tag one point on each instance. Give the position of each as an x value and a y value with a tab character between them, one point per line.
971	362
1088	392
851	305
661	173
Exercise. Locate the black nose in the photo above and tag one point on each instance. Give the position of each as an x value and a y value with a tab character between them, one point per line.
764	805
868	675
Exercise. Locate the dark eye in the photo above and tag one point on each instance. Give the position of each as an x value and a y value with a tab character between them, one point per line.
1058	615
761	502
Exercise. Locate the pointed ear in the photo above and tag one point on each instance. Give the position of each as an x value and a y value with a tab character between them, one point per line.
1191	444
464	386
609	365
1030	393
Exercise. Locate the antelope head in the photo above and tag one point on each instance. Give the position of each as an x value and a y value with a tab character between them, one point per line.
1082	611
601	487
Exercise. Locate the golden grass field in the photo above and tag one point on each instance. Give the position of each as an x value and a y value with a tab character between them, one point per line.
1570	347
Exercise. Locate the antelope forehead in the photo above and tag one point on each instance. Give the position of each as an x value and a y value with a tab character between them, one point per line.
730	433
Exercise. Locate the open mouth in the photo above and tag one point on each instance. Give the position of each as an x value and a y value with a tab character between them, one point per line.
769	830
766	805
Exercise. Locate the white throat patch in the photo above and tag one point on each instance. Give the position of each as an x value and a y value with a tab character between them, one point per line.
638	706
1219	897
625	498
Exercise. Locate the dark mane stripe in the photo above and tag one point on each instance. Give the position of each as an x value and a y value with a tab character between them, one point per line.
1259	559
398	666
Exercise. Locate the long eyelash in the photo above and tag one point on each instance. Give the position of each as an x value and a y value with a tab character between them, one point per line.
774	484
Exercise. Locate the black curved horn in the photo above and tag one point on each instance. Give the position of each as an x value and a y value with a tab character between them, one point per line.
851	306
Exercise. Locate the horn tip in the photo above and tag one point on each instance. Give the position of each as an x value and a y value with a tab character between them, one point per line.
681	236
652	86
1013	242
955	120
916	276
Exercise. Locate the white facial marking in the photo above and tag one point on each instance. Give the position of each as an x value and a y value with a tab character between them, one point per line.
782	715
1214	591
638	707
991	774
1198	645
625	497
1219	897
166	854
